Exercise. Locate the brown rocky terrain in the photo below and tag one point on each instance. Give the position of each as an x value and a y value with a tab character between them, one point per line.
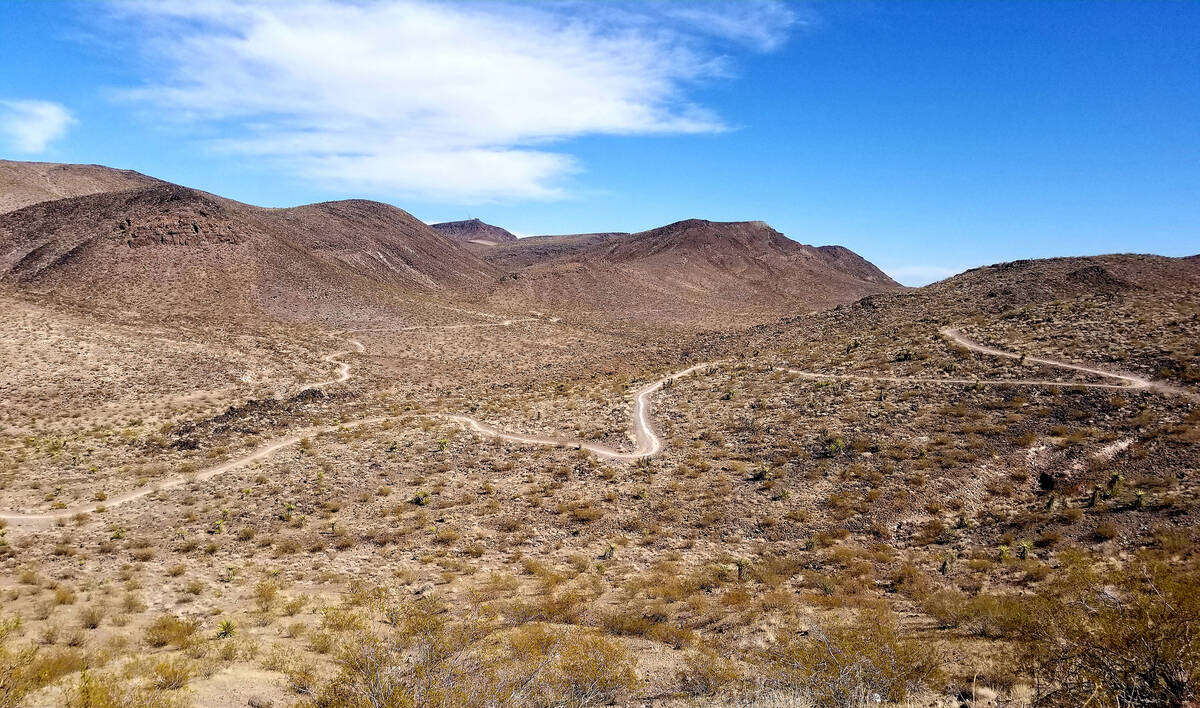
169	249
689	272
378	483
25	183
474	231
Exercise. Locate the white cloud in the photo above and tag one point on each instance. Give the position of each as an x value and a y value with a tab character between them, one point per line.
454	101
29	126
916	275
761	24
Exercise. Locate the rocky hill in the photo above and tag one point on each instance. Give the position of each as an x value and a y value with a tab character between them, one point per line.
696	269
25	183
474	231
169	248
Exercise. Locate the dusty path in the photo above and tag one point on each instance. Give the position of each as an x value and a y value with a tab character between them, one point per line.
955	335
648	442
47	518
343	367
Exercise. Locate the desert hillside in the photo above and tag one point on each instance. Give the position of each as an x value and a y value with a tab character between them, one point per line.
25	183
171	249
691	271
244	451
474	231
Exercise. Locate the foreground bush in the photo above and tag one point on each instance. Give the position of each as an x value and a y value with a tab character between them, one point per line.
847	664
27	669
110	691
1128	637
426	659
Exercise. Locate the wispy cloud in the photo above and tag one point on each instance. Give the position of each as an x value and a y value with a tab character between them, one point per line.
762	25
29	126
451	101
921	274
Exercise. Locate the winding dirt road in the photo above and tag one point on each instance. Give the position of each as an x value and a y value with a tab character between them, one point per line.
648	442
954	334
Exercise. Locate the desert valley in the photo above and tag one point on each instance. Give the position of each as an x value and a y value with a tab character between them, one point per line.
329	455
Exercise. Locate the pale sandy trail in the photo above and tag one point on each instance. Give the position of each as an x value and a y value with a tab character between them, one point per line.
343	367
956	336
648	441
47	518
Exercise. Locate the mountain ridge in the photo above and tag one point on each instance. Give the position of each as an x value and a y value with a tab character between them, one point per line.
25	183
179	248
474	231
158	245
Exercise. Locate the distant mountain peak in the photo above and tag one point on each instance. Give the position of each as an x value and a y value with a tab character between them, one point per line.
474	231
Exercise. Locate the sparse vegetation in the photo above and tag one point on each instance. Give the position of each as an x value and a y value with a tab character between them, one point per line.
824	523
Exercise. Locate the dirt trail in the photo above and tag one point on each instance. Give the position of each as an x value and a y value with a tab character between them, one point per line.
955	335
648	442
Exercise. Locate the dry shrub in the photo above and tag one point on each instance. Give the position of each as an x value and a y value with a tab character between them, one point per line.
172	674
996	616
169	629
705	672
26	670
591	670
948	606
1124	637
842	663
339	620
16	680
564	607
266	593
423	661
48	666
98	690
424	658
637	624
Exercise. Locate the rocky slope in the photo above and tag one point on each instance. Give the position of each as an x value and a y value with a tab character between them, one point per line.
25	183
172	249
474	231
698	270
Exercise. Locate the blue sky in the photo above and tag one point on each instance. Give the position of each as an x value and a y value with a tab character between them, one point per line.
929	137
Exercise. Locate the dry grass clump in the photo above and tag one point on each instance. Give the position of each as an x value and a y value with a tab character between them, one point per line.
171	630
110	690
423	658
849	663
